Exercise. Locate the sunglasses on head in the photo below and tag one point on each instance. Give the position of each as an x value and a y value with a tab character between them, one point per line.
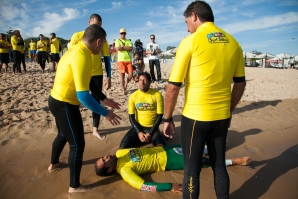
123	33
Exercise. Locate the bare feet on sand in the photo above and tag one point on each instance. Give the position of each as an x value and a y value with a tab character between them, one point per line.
81	188
97	135
241	161
54	167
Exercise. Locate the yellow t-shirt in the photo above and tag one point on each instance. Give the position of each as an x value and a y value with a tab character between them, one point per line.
136	161
32	46
207	60
96	59
125	54
146	106
4	43
14	41
55	46
43	44
73	74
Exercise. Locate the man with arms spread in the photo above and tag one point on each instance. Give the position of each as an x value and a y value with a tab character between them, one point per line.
32	48
4	52
71	87
130	163
55	57
42	52
16	42
152	50
145	109
97	74
124	46
207	61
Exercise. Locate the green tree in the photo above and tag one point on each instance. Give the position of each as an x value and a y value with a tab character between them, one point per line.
170	47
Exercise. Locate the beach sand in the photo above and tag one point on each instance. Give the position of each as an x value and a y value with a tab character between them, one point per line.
264	126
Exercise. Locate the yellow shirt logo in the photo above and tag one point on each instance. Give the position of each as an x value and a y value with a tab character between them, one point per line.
217	37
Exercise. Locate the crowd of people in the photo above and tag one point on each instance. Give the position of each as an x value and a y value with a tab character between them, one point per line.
206	62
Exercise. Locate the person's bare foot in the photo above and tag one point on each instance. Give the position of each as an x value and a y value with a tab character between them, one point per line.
241	161
97	135
54	167
81	188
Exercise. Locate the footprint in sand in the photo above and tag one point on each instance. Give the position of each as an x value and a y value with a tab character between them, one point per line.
251	148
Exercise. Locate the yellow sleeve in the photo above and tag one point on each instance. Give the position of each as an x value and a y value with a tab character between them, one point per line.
73	40
117	43
131	104
81	69
239	70
131	177
14	40
160	103
181	63
105	49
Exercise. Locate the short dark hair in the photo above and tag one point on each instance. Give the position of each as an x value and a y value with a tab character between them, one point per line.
102	171
96	16
201	9
94	32
145	74
136	53
54	34
152	35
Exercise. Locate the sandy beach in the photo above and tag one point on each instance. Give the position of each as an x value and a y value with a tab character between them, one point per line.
264	126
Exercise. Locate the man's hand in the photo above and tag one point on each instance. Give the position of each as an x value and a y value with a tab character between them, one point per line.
168	129
142	136
111	103
177	188
148	137
113	118
107	83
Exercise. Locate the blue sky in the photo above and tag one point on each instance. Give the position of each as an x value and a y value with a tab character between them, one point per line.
263	25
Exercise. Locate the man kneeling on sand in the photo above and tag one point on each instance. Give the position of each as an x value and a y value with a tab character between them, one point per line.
130	163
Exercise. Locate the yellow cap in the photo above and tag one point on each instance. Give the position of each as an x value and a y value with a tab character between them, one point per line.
122	30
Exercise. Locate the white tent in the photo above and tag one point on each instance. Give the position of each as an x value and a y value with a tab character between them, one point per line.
265	56
296	58
276	58
173	51
168	52
283	56
249	55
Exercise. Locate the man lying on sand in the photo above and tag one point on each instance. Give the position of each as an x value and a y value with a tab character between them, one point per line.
130	163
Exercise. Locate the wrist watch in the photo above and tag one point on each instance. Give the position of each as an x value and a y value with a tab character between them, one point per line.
167	120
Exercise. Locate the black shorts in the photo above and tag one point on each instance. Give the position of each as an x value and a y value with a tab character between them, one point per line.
4	58
55	57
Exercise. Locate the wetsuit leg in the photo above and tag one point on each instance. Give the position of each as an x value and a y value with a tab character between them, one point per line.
129	140
96	91
70	128
158	139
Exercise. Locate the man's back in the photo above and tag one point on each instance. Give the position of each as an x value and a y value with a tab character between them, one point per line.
213	62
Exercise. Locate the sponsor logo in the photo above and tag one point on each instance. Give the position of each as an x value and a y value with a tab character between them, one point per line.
148	188
217	37
145	106
135	155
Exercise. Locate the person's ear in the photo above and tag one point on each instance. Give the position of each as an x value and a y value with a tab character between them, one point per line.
194	17
110	169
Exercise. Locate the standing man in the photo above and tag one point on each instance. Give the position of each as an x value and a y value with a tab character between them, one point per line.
145	109
16	42
4	52
55	57
152	50
32	48
71	87
97	74
42	52
124	46
207	61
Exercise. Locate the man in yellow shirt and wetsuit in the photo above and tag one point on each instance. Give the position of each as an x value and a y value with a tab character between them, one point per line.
145	109
132	162
97	74
207	61
32	49
70	89
55	57
4	52
124	47
42	55
16	42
